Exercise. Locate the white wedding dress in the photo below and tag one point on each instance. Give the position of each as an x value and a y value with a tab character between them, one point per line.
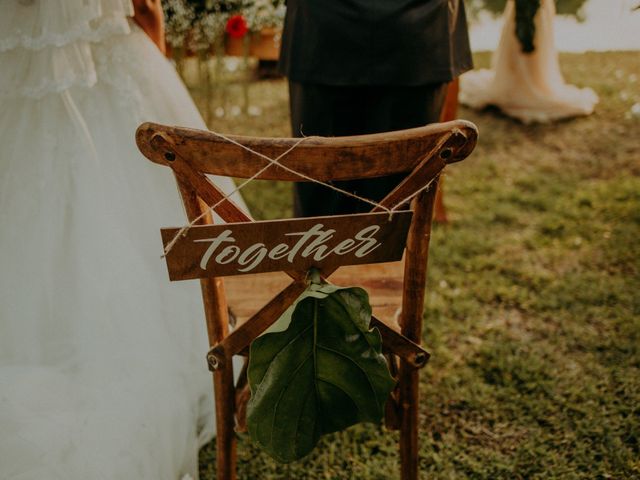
529	87
102	359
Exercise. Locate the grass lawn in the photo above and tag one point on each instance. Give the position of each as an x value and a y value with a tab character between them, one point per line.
533	304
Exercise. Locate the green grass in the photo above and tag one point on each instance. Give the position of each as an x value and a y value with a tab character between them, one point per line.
533	305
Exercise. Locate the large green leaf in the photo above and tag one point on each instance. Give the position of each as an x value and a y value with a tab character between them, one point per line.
323	373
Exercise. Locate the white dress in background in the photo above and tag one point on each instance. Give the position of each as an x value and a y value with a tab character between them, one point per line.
528	87
102	359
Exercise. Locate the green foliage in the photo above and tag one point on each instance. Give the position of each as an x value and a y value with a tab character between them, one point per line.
323	373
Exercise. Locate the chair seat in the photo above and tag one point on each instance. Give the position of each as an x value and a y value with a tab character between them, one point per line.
246	294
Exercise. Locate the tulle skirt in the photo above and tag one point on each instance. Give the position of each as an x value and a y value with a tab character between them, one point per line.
102	359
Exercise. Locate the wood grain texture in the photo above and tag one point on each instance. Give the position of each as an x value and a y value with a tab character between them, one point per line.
220	355
279	245
215	309
417	256
411	352
208	192
383	282
322	158
428	167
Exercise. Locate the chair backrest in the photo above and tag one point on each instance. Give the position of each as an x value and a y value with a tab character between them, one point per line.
322	158
424	151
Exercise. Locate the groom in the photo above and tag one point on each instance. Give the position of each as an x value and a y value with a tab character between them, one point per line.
367	66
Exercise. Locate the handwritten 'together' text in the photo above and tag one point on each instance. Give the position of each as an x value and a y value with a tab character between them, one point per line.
313	243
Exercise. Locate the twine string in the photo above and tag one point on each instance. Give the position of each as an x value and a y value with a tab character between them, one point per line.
226	196
276	161
413	195
300	174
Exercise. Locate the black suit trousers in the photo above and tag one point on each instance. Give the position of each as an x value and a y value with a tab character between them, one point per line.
333	111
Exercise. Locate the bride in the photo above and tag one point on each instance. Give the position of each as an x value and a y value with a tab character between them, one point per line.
527	86
102	370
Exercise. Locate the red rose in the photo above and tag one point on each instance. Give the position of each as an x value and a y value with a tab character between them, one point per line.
236	26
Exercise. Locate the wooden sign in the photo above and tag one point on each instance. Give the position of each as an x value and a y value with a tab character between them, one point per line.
282	245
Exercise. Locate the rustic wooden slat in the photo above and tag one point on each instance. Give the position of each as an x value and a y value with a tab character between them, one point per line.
429	167
243	394
383	283
247	294
215	309
220	355
409	351
279	245
417	255
188	175
325	159
392	409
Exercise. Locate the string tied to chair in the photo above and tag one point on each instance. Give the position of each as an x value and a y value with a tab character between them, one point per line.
276	162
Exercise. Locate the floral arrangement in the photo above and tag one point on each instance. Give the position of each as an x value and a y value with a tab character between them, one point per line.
179	18
236	26
198	25
265	14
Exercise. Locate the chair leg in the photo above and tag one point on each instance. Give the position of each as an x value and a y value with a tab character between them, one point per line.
216	316
440	213
409	426
449	112
225	435
417	255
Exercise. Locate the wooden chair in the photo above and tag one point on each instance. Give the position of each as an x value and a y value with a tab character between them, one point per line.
421	153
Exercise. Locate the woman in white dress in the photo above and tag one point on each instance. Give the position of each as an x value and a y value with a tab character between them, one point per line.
527	86
102	369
